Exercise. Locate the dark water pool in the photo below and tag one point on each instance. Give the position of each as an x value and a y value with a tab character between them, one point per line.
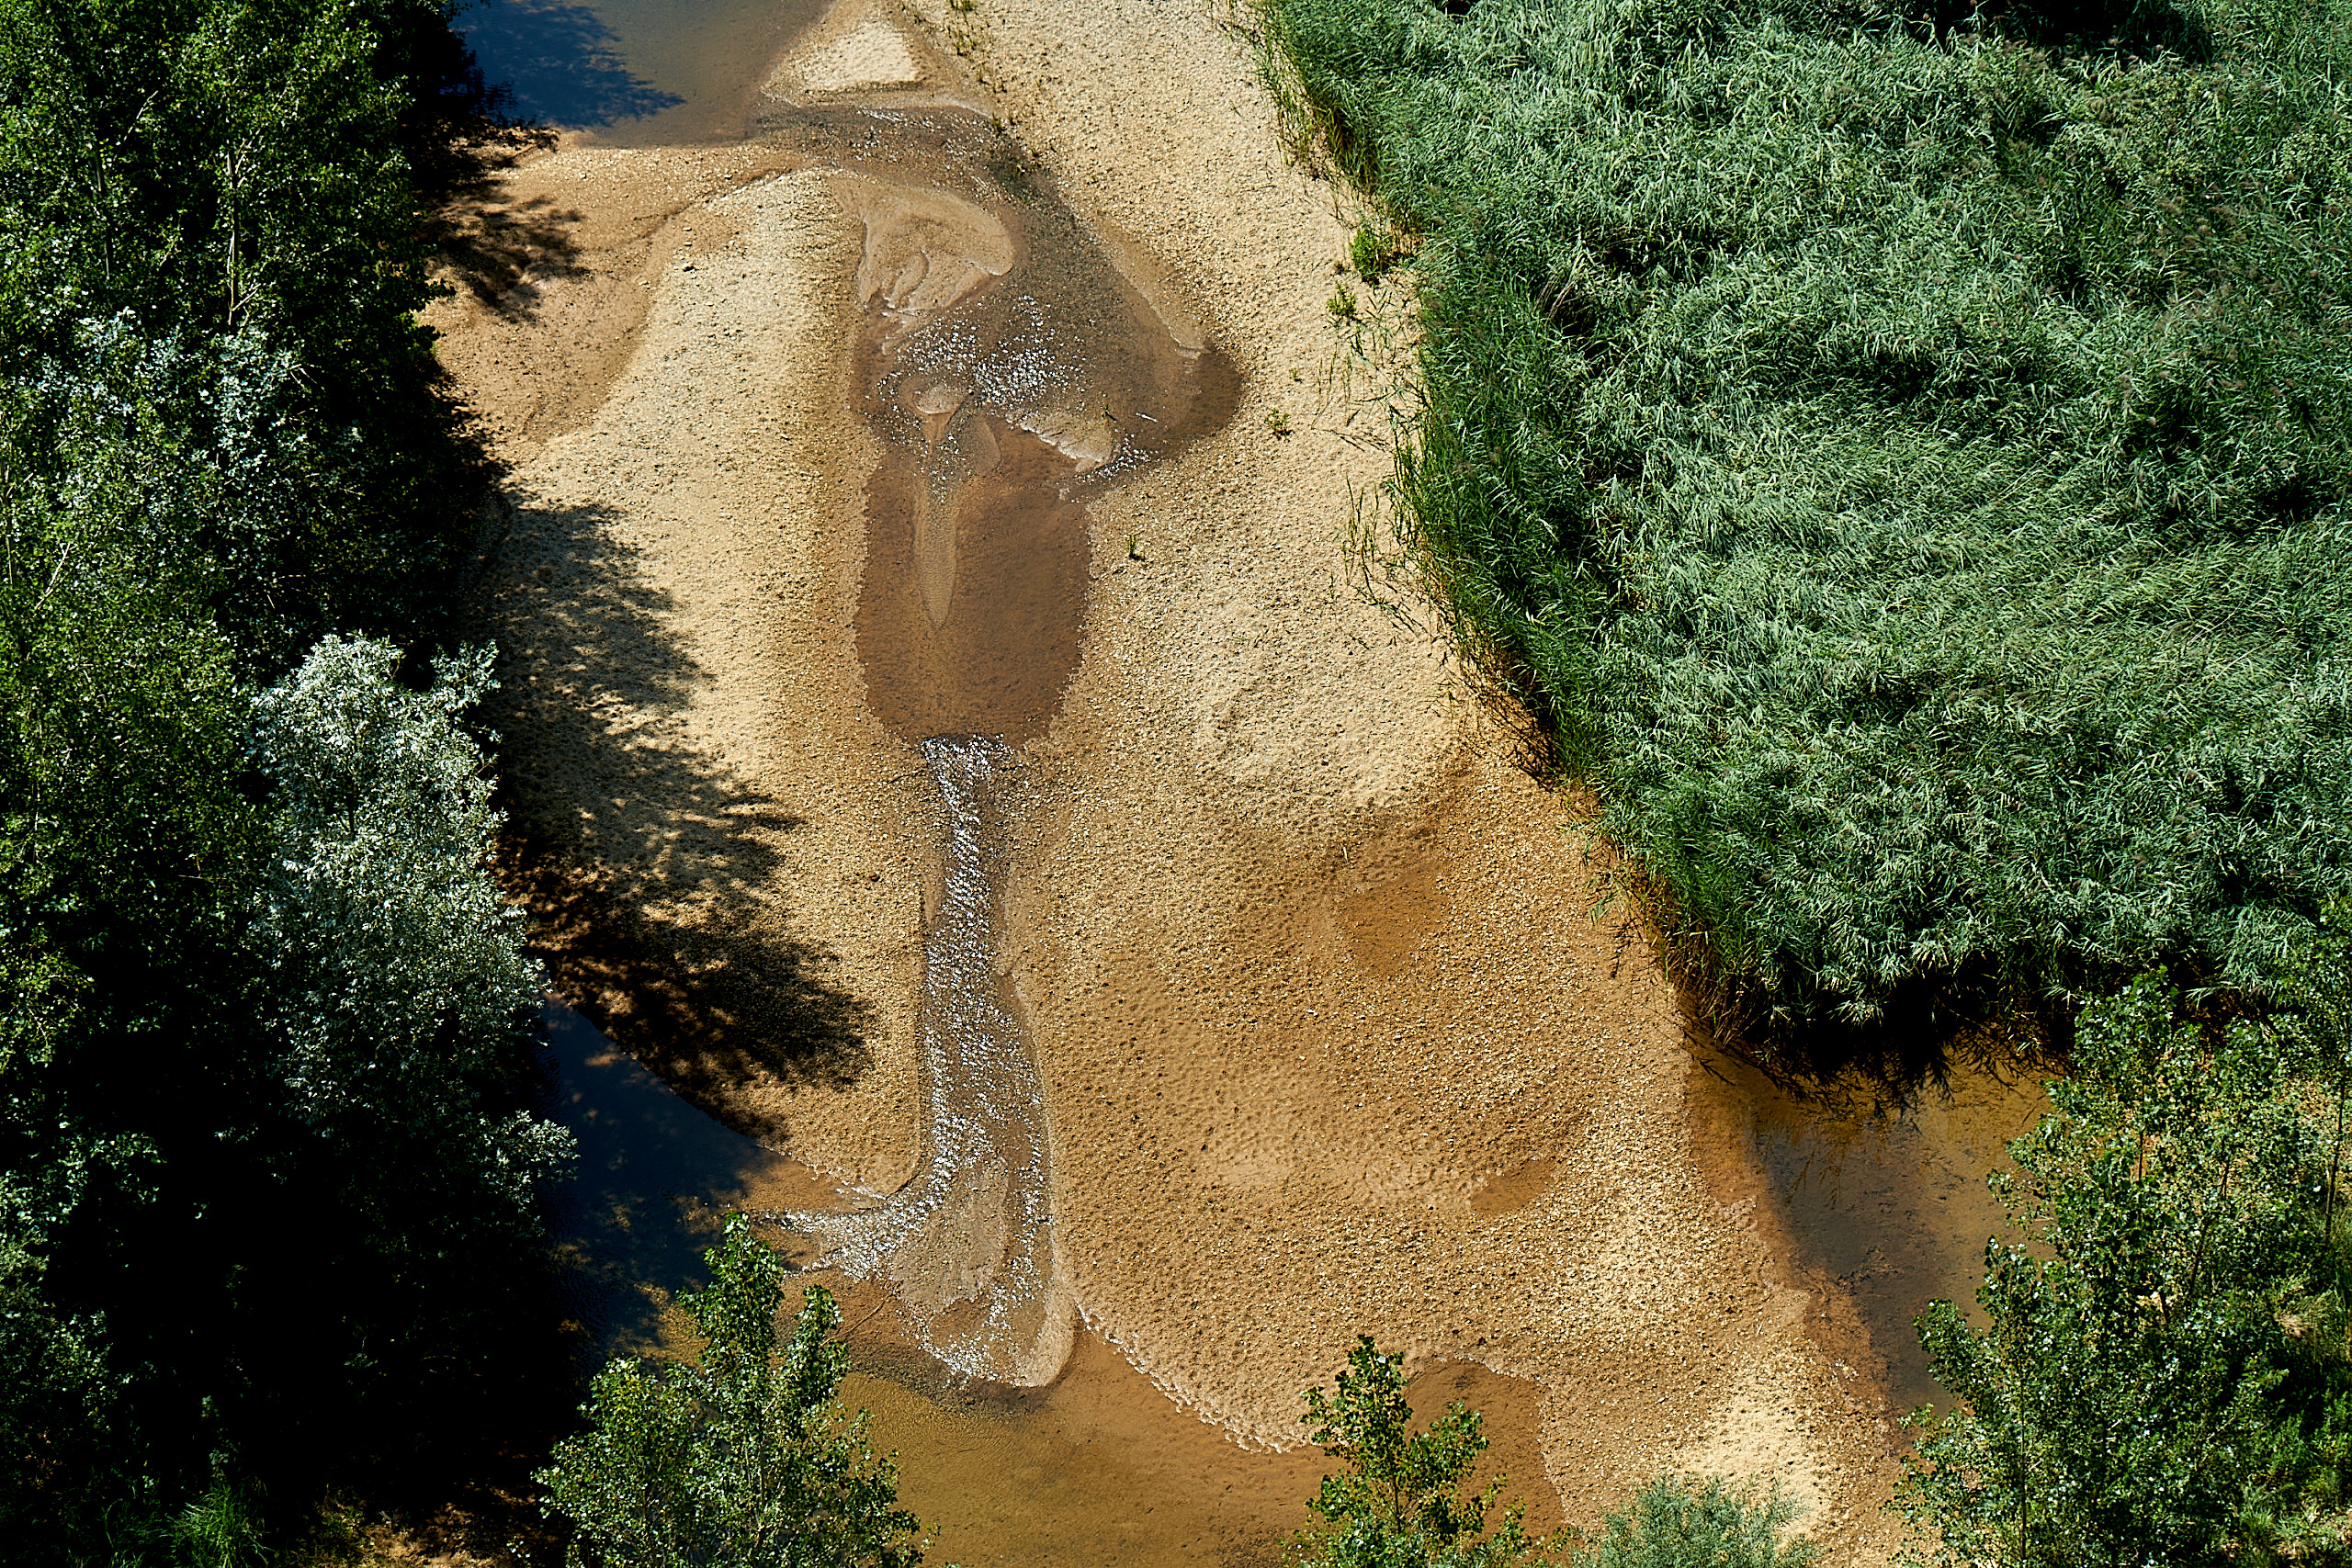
636	73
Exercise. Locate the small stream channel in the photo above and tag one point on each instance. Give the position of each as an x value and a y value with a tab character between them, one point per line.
968	1242
1011	370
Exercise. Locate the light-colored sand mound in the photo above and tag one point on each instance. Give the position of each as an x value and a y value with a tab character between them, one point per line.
873	56
857	46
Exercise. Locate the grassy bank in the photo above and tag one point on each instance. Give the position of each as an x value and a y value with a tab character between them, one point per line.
1905	453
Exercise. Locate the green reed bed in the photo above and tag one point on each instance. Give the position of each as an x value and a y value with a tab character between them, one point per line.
1906	457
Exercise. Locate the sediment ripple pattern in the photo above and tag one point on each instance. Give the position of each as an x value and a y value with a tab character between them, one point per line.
968	1242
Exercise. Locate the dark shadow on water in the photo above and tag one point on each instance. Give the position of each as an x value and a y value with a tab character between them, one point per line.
561	64
463	137
1870	1192
656	1177
642	72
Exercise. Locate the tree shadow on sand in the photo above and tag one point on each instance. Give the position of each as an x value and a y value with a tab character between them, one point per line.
487	248
487	245
461	134
653	870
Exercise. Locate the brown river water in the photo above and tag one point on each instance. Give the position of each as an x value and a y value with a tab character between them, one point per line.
1878	1197
1096	1467
634	73
1011	371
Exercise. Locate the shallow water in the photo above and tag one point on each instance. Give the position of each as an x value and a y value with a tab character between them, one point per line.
966	1244
634	73
1097	1467
1012	369
1878	1199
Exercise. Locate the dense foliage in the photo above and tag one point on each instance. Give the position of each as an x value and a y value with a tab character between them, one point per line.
743	1459
1903	450
2167	1377
1680	1523
265	1184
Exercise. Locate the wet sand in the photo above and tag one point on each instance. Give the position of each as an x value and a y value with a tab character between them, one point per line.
1331	1036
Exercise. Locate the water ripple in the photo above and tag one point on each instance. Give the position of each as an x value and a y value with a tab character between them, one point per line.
968	1241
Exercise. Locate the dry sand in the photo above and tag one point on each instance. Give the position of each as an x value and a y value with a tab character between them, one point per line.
1333	1038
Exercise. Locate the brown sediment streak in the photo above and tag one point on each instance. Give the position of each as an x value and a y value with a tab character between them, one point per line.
1011	369
968	1243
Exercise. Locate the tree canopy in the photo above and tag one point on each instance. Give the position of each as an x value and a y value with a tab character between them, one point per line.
1401	1497
266	1172
742	1459
2166	1371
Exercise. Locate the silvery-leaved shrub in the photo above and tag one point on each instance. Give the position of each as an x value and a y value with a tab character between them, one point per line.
397	973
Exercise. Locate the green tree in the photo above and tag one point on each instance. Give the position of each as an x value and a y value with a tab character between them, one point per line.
223	185
120	995
395	1002
742	1460
255	982
2167	1374
1680	1523
1402	1500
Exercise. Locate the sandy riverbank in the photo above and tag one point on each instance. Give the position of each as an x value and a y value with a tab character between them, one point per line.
1332	1041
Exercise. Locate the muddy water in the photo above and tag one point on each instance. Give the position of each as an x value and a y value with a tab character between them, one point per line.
1097	1467
1876	1202
1010	371
968	1243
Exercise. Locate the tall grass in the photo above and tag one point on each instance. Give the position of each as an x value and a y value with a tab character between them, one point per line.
1906	455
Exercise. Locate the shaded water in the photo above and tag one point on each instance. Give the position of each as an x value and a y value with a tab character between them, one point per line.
656	1176
1878	1200
634	73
